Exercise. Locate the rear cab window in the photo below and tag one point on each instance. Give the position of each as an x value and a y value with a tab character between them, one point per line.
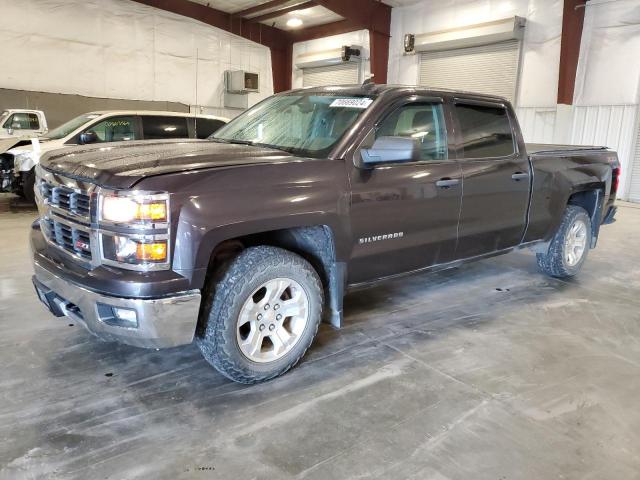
156	127
485	129
207	126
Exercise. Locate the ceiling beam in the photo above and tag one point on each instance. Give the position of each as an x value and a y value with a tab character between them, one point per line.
324	30
256	32
284	11
260	8
572	22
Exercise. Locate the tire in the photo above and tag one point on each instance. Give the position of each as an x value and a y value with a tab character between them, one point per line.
246	289
28	184
558	261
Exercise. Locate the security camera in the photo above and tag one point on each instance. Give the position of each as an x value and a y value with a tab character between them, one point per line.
409	42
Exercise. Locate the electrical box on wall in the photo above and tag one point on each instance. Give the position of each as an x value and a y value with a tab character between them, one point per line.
240	81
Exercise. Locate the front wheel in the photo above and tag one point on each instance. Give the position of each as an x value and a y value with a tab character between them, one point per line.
262	315
568	249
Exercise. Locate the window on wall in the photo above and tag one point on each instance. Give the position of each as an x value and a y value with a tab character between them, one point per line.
486	131
157	127
114	129
22	121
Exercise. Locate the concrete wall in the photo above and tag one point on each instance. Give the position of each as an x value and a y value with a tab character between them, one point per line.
119	49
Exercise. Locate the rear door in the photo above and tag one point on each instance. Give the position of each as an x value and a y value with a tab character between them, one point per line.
156	127
495	173
404	214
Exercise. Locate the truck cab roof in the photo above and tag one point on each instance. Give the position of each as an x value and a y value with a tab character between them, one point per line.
379	89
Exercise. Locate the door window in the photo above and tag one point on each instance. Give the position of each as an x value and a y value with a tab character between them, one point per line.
23	121
157	127
486	131
423	122
114	129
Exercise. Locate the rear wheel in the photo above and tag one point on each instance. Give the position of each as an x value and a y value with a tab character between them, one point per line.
568	249
262	315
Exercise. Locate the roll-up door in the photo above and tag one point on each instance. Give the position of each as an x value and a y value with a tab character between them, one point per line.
491	69
634	188
338	74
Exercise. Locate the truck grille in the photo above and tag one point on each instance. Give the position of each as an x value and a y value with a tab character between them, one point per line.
68	237
67	199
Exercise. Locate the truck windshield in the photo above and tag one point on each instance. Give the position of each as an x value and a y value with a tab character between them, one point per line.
308	125
68	127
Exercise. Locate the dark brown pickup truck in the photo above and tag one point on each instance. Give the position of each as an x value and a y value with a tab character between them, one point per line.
245	241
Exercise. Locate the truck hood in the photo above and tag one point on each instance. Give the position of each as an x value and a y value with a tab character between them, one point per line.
123	164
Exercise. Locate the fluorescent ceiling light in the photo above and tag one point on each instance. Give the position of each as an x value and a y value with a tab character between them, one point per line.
294	22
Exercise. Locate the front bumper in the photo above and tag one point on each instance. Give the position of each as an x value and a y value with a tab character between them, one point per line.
161	322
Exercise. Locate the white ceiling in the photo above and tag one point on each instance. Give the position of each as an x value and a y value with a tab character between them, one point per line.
230	6
317	15
309	16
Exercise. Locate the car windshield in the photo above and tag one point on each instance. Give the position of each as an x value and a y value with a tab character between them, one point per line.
4	114
68	127
303	124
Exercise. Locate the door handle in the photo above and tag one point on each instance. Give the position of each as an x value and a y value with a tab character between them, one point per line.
447	182
519	176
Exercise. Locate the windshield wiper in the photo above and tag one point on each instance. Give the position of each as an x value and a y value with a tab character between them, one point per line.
227	140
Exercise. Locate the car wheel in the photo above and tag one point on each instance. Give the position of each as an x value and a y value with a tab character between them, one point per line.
262	314
568	249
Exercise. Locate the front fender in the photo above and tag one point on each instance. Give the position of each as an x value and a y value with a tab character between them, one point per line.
211	206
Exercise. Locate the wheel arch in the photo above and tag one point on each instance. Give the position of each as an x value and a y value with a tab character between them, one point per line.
314	243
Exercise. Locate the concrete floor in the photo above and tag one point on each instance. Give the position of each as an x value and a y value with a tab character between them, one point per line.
490	371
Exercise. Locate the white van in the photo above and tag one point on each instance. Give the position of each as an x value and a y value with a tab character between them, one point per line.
103	127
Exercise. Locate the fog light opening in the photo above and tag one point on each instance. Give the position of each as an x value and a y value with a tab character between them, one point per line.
126	317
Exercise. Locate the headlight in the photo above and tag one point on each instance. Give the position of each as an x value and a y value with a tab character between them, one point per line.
127	250
135	209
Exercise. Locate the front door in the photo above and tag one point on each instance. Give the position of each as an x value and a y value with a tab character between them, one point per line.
495	179
404	212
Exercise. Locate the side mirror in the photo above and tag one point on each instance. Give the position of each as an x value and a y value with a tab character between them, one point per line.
88	137
390	149
10	130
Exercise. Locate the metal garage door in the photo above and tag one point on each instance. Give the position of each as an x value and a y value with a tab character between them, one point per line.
634	188
339	74
491	69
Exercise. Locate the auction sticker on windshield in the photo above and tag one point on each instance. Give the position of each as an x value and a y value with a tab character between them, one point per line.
355	102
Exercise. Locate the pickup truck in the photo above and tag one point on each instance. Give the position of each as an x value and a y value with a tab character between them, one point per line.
18	171
245	242
20	122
